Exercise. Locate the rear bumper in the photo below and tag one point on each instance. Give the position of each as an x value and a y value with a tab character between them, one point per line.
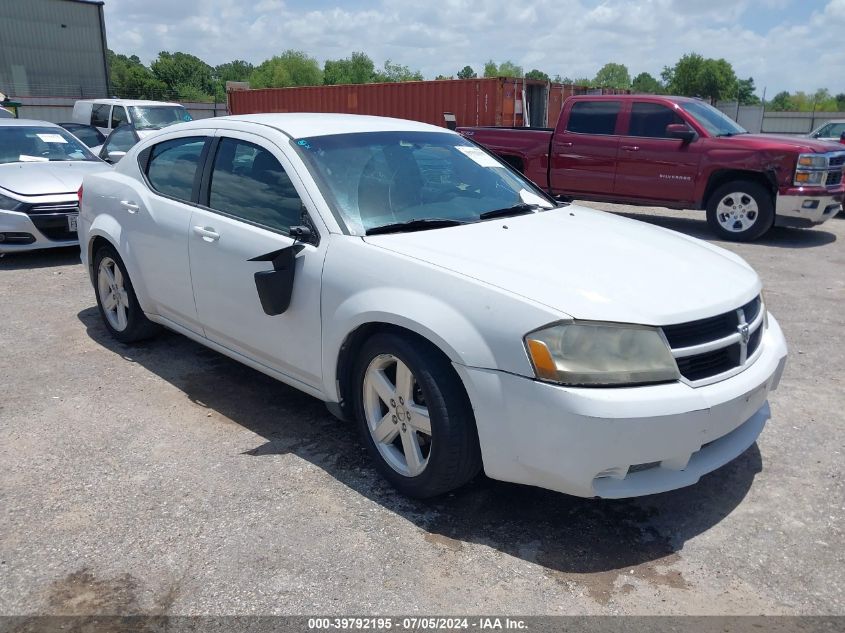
623	442
803	207
19	233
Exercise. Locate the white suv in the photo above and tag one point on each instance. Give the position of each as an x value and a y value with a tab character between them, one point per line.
146	116
417	284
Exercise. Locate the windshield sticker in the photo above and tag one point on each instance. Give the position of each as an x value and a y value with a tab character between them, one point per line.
303	143
52	138
24	158
479	156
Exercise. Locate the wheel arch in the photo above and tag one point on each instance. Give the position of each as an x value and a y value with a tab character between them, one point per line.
720	177
106	230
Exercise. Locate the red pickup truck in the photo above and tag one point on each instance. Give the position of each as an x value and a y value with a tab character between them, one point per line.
680	153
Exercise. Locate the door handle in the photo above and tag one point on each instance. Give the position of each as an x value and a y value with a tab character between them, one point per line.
130	206
567	144
631	148
207	233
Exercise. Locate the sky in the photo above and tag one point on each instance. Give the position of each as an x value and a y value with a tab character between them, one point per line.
783	44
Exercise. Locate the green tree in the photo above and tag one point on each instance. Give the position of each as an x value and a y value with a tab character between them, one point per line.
537	74
397	72
186	75
505	69
467	73
696	76
644	83
840	102
781	102
291	68
130	79
613	76
745	92
717	80
236	70
358	68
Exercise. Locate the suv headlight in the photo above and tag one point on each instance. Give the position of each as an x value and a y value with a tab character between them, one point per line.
10	204
600	354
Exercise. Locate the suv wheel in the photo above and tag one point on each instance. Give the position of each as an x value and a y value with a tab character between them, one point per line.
116	299
414	416
741	211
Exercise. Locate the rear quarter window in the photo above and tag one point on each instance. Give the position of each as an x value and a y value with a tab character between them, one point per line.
173	166
594	117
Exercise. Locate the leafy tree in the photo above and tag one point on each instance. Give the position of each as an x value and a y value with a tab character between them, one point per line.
355	69
695	76
236	70
505	69
745	92
184	73
397	72
644	83
561	80
717	80
840	102
291	68
781	102
613	76
441	77
537	74
130	79
467	73
582	81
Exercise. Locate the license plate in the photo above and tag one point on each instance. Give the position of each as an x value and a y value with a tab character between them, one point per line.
71	222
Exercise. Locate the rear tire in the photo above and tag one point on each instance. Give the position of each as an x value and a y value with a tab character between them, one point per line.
119	307
414	416
741	211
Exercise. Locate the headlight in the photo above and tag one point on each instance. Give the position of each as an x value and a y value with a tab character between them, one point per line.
810	177
600	354
10	204
812	161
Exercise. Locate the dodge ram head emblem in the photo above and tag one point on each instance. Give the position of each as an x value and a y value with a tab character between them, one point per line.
743	333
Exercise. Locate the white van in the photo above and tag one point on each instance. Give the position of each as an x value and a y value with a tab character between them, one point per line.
107	114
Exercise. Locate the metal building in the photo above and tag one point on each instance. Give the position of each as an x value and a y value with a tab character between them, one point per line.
53	48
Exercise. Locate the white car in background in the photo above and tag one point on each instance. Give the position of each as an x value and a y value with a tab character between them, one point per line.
41	170
831	131
419	285
146	116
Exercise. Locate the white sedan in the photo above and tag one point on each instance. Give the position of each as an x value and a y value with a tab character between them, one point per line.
421	287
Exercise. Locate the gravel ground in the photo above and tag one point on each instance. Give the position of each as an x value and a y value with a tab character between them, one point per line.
165	478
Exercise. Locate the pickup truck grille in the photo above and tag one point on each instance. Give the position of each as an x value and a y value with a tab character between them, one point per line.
834	178
837	160
716	347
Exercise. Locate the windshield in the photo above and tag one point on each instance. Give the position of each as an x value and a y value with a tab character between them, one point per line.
375	179
155	117
22	144
712	120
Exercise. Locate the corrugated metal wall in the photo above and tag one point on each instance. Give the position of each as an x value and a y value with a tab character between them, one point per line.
489	101
52	48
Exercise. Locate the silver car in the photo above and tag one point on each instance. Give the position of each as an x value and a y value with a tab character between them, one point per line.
41	170
831	131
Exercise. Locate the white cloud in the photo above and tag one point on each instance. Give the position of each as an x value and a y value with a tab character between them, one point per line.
571	37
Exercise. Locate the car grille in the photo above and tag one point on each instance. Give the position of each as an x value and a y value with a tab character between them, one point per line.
51	219
834	178
712	347
836	161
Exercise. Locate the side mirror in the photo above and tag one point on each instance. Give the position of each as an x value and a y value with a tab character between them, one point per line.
300	233
680	131
115	155
842	138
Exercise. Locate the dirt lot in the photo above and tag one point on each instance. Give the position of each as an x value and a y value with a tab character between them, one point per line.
165	478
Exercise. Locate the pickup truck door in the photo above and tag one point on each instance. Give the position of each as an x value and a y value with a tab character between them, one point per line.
652	166
584	149
249	199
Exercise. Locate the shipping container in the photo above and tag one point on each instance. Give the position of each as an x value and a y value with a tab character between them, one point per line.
490	101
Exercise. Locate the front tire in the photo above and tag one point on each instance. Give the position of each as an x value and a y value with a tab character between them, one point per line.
119	307
741	211
414	416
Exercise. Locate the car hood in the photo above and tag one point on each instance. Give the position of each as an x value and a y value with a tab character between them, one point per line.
589	265
41	179
784	143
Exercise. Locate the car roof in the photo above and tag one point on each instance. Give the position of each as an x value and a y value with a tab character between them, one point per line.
130	102
26	123
311	124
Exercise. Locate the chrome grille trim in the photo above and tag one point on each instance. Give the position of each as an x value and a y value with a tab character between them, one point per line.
57	208
723	355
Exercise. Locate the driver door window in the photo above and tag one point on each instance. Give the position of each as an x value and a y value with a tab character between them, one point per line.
121	140
118	116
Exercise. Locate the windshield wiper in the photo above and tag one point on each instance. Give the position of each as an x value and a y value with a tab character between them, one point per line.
517	209
422	224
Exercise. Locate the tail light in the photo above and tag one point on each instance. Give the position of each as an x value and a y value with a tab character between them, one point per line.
79	195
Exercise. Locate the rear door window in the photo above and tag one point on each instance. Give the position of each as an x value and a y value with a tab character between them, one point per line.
594	117
650	120
100	114
118	116
173	166
249	183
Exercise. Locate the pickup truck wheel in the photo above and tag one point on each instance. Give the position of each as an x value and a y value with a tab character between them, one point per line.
414	416
740	211
119	307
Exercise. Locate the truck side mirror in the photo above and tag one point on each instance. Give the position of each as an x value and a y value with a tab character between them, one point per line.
842	138
681	131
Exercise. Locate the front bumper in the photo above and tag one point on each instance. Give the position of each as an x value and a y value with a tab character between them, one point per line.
621	442
805	206
19	233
